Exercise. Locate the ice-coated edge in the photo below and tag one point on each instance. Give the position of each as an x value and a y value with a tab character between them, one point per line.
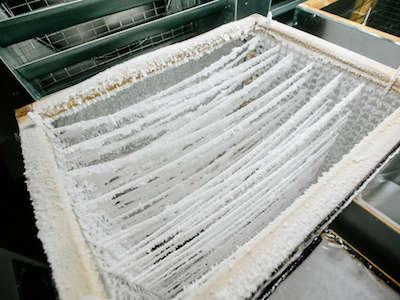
241	275
74	269
343	58
122	76
114	79
253	264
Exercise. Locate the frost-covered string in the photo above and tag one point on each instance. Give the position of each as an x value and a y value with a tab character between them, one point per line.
172	185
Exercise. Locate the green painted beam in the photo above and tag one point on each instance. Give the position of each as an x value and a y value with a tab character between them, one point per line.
58	17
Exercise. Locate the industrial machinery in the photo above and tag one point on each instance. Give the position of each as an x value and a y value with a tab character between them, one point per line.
204	169
247	132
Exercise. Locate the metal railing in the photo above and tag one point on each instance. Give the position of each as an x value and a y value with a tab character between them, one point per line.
52	44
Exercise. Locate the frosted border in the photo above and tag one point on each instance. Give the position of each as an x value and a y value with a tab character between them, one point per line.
114	79
239	276
254	263
73	268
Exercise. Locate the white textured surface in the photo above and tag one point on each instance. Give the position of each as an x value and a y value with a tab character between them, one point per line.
73	267
170	175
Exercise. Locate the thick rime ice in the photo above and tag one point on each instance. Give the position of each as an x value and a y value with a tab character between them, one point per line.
170	186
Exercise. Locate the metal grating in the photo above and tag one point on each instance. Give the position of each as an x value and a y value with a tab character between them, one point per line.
14	8
48	42
386	17
49	83
88	31
61	40
44	46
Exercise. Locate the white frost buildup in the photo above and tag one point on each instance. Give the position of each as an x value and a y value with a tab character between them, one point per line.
171	175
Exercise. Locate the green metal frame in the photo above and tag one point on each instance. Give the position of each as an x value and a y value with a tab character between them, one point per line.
108	43
34	24
57	17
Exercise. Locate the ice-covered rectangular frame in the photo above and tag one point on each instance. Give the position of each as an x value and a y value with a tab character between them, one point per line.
201	170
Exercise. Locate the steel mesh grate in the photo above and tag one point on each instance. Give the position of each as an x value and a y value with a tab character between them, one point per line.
14	8
88	31
47	84
386	16
43	46
61	40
